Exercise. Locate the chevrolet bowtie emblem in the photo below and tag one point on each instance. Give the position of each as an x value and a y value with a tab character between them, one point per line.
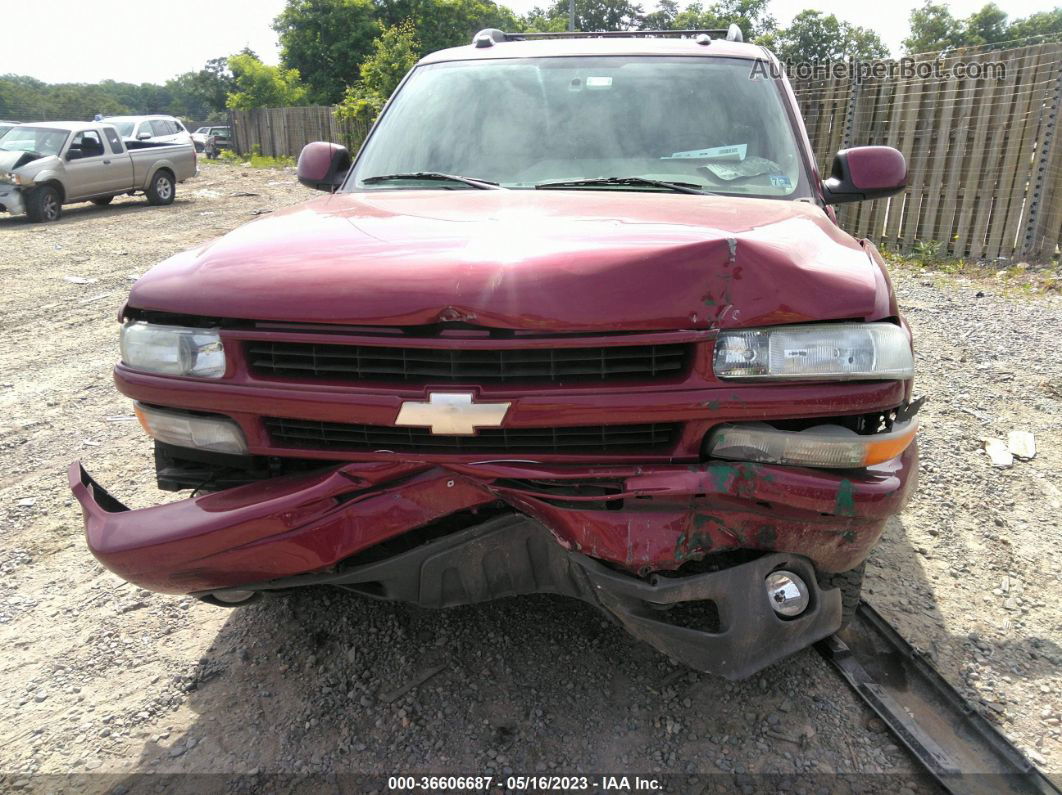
452	413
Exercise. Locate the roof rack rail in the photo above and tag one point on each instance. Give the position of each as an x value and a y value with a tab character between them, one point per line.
491	36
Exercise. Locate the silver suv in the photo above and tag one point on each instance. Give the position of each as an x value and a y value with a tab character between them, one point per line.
157	129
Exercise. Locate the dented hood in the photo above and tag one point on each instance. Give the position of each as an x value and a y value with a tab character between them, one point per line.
9	161
537	260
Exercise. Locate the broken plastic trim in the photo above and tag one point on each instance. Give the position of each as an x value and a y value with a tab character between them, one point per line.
513	555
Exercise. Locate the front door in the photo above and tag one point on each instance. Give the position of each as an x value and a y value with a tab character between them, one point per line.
86	171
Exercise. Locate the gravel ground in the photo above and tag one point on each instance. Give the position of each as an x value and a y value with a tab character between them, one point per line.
105	679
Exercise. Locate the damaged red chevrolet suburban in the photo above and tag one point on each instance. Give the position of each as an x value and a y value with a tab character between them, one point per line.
577	319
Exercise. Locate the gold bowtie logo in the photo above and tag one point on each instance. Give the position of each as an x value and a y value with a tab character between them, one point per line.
452	413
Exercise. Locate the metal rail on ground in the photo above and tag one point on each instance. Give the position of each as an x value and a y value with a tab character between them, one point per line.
952	740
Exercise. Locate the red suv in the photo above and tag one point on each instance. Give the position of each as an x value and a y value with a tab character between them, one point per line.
577	319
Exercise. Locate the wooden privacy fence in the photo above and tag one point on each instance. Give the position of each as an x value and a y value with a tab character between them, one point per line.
282	132
984	154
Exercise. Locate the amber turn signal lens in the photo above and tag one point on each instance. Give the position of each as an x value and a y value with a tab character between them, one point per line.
879	451
825	446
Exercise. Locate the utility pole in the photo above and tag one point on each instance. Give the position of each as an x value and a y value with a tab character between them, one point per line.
571	16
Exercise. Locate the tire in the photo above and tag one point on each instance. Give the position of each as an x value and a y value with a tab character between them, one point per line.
850	584
103	201
44	204
162	188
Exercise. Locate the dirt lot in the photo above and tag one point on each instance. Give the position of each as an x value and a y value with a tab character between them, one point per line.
99	677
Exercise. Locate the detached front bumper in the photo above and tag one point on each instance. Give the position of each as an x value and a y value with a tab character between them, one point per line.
11	200
624	538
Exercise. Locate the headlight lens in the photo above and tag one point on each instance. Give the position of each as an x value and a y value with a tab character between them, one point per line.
173	350
837	351
13	178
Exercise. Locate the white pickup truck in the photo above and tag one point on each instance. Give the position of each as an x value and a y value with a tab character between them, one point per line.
44	166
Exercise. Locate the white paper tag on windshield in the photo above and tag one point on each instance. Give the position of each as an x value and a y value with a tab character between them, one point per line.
599	82
725	153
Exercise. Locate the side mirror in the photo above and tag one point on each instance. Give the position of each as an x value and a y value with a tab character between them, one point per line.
323	166
143	136
865	172
74	154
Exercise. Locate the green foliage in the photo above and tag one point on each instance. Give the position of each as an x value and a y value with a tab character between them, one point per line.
750	15
260	85
394	53
663	18
325	40
194	95
986	26
590	15
446	23
256	159
817	37
1043	23
933	28
927	249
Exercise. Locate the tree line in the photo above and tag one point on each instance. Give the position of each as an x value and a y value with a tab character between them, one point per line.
354	52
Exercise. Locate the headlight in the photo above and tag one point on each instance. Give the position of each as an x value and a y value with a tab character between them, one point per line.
173	350
835	351
13	178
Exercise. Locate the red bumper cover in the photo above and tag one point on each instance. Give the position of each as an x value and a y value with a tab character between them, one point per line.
640	519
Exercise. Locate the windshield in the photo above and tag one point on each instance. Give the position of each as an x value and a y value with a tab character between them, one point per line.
124	128
521	123
40	140
202	131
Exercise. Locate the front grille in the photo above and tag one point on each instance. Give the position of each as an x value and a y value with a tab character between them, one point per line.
314	435
435	365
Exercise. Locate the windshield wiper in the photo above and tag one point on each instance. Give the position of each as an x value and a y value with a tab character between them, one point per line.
677	187
481	184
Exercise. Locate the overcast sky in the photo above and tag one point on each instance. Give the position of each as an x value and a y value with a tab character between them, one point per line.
78	41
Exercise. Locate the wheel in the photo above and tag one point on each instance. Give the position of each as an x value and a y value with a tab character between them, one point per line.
162	189
103	201
44	204
850	584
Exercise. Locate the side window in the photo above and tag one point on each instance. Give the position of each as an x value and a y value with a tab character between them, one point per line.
159	127
145	127
113	140
179	127
87	143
